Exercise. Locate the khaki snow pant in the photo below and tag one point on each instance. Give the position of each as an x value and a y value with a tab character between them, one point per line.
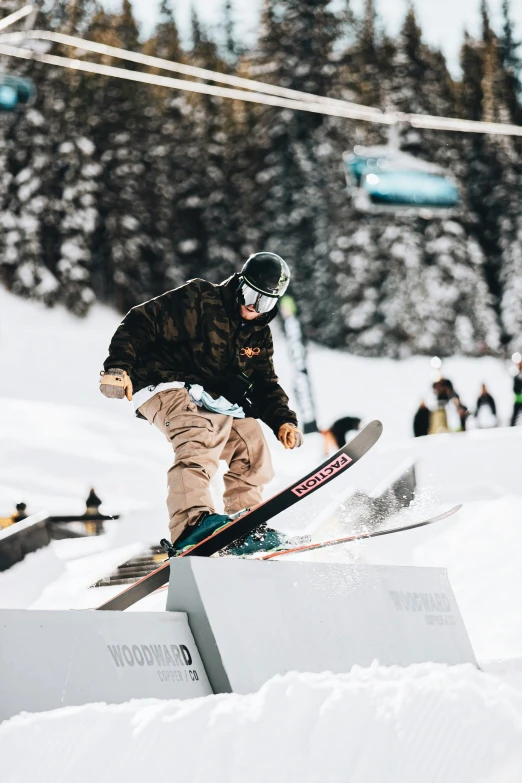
438	421
200	439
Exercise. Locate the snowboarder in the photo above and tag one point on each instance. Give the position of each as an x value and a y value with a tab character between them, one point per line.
516	418
197	363
486	412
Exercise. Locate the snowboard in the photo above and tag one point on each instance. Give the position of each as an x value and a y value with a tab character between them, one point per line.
356	536
297	492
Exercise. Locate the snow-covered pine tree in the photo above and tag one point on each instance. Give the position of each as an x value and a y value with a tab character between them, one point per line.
231	46
408	292
76	174
26	217
409	284
118	118
511	61
212	234
510	228
291	194
25	211
363	63
165	157
419	82
189	185
493	168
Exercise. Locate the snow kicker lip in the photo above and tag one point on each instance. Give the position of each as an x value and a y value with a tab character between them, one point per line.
322	475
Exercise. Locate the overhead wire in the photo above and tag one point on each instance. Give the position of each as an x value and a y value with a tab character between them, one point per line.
7	21
354	113
183	68
250	90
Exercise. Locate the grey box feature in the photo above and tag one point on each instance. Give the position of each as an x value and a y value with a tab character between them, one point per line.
51	659
252	620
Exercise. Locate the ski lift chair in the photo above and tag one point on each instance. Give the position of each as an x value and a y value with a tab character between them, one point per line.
15	91
386	180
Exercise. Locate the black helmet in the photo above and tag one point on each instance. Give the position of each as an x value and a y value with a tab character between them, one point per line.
264	278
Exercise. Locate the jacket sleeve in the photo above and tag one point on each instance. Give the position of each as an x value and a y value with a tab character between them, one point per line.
137	330
268	397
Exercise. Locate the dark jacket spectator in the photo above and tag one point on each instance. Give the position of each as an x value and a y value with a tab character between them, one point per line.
516	419
444	390
335	437
485	398
486	412
92	504
421	421
463	413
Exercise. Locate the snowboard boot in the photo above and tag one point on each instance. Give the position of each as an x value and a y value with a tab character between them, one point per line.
206	526
263	539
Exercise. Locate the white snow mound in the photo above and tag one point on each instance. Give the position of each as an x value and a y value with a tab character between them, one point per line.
426	723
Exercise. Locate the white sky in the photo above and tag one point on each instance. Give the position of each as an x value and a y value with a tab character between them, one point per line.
442	21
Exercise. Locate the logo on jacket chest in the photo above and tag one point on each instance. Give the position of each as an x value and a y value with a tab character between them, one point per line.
250	352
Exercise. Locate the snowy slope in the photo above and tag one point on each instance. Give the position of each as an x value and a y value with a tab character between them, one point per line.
428	723
59	436
391	390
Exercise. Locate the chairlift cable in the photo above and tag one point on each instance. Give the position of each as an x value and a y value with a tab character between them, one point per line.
271	95
187	70
355	113
7	21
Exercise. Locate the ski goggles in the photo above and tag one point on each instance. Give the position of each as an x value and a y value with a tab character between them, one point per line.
262	302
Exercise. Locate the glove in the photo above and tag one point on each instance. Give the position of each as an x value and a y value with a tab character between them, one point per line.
116	384
290	436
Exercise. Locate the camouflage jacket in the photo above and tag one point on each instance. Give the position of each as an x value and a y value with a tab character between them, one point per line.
195	334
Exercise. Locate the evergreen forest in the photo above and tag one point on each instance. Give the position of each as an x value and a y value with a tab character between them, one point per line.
114	192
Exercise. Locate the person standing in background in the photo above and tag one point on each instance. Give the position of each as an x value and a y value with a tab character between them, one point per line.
421	420
516	419
486	411
335	436
438	418
463	413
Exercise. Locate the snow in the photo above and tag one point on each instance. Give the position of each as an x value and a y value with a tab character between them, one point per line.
51	356
22	584
391	390
476	546
426	723
59	437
